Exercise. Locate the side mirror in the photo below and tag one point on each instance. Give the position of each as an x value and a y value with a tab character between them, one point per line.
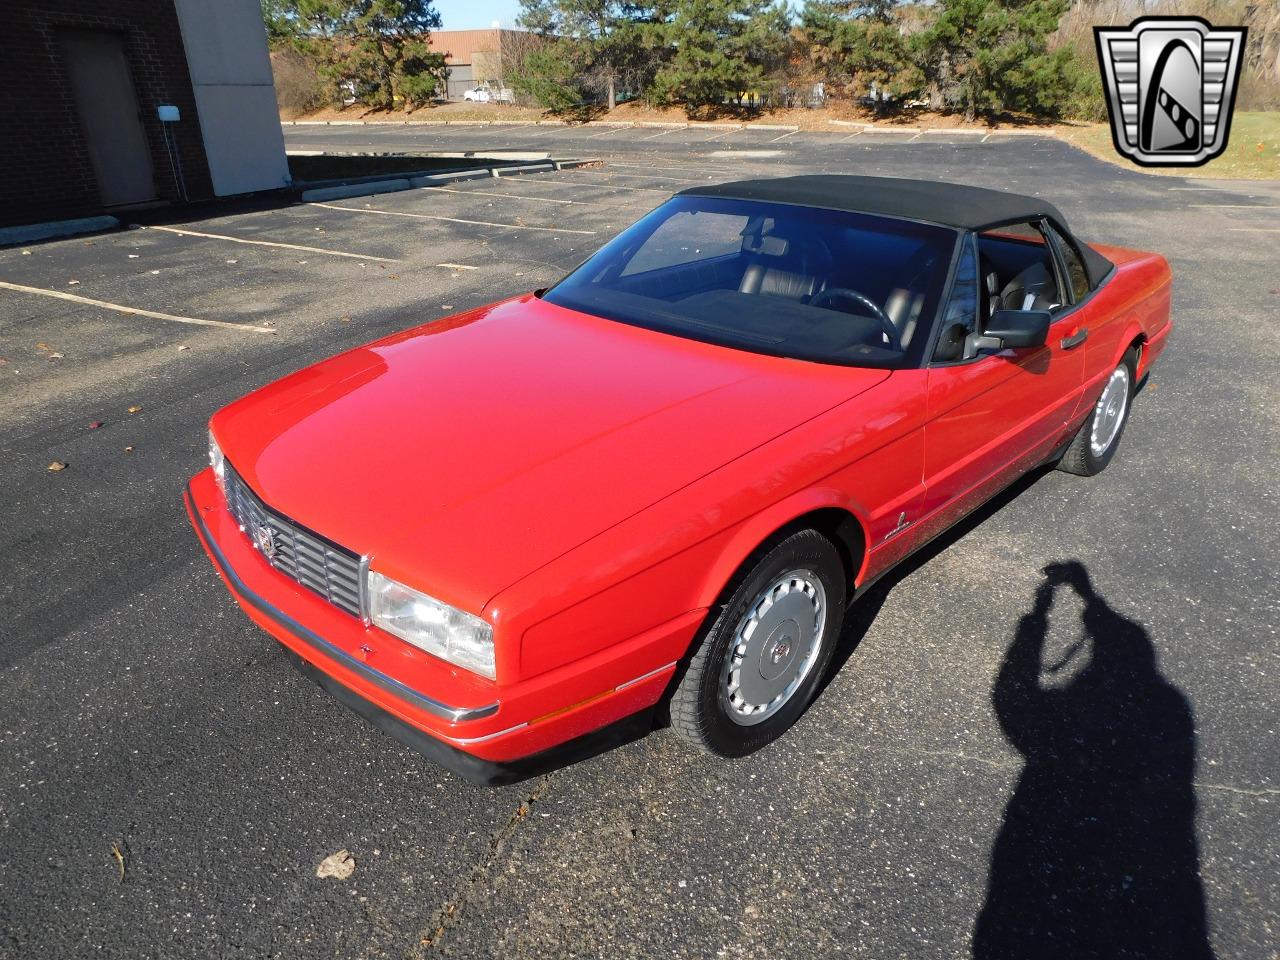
1018	328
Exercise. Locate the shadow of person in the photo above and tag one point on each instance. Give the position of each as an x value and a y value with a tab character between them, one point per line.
1097	854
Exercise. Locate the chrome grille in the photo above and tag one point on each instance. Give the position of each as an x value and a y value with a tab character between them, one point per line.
319	565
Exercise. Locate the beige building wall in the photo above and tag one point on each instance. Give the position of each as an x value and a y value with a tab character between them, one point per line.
226	46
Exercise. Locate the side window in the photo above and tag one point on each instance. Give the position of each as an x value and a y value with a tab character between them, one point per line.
1076	276
961	312
1018	269
687	238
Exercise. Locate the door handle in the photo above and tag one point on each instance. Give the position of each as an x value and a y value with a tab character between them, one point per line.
1073	341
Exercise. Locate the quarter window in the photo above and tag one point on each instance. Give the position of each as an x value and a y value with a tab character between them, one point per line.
1076	275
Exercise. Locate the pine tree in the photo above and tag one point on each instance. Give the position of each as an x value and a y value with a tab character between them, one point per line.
861	46
991	55
381	46
723	50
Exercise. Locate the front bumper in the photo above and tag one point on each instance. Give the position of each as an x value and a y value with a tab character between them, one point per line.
475	727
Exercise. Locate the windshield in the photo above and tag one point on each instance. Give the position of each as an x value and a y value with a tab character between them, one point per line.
792	281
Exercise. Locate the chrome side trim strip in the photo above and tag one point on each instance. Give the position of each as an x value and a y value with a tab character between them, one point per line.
521	726
487	736
645	676
390	685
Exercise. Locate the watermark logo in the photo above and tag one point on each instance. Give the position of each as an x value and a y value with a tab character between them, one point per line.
1171	84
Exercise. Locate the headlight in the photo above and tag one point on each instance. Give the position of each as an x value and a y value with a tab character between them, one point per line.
218	463
430	625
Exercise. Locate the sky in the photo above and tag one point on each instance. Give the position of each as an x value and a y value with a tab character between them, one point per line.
475	14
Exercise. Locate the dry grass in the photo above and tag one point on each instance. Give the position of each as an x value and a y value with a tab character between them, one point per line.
1253	152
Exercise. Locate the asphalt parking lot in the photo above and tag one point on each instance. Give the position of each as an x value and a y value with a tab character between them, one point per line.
141	713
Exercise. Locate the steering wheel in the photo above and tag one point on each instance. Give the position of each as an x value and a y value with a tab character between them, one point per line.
833	294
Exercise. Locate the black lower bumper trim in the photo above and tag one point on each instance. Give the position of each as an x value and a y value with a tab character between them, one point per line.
488	773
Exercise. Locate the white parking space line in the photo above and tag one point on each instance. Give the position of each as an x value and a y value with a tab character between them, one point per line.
594	186
474	223
1233	206
784	136
1193	188
852	136
605	133
183	232
648	166
721	136
649	176
132	311
512	196
456	266
1253	229
660	133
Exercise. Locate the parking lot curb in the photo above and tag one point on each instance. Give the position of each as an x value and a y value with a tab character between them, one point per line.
356	190
770	126
31	232
516	171
436	179
616	124
395	185
662	124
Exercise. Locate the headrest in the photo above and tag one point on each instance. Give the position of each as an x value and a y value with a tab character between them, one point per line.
767	246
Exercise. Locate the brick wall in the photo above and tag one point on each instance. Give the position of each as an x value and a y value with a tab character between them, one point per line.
45	169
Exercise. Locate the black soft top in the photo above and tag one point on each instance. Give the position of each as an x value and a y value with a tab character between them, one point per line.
930	201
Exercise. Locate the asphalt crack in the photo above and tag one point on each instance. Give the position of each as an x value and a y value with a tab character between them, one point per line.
450	913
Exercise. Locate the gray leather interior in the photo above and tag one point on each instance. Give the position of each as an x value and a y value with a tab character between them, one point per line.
784	267
1032	289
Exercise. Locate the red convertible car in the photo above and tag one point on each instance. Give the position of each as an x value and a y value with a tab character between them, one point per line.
506	535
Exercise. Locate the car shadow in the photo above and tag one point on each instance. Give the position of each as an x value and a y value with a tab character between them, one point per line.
1097	854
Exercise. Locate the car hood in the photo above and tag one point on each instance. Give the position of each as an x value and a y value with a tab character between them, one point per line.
465	454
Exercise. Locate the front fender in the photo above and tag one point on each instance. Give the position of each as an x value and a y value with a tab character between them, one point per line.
760	527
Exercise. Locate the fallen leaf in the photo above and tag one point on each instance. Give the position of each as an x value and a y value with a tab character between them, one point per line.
55	356
41	345
57	466
128	449
116	852
4	359
183	346
345	319
393	276
133	256
446	306
136	408
302	263
26	253
95	425
72	283
233	262
338	865
154	272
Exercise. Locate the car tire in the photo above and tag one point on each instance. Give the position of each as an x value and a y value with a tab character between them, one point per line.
1098	439
746	684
